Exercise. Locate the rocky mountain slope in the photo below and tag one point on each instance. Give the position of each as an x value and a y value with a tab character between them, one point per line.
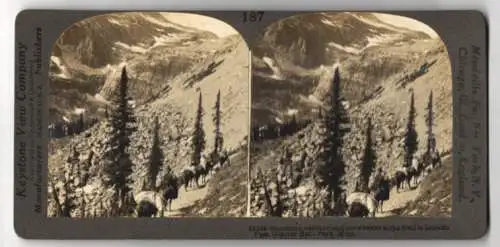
293	72
88	56
168	65
294	57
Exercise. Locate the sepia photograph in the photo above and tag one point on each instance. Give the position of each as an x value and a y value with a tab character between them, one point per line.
351	116
149	117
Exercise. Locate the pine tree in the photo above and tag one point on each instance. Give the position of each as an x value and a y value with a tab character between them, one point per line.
331	167
117	165
155	158
411	136
218	140
369	158
81	123
125	114
198	141
293	125
429	121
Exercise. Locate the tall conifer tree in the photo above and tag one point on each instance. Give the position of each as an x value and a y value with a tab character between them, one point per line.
429	121
198	139
369	158
331	167
156	157
411	136
218	138
117	165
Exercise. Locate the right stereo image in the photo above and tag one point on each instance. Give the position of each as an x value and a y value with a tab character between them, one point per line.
351	116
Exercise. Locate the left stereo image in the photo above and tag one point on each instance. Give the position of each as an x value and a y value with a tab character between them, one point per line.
148	116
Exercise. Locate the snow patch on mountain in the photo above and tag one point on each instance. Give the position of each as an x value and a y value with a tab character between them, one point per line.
132	48
276	70
200	22
63	70
79	111
348	49
328	22
292	112
407	23
116	22
381	39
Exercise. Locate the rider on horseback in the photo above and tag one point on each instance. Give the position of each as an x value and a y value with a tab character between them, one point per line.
379	175
203	160
436	158
382	188
414	162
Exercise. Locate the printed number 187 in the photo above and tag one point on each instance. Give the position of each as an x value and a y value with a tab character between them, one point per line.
253	16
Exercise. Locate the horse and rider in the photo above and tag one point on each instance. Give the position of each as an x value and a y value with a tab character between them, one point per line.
382	188
207	164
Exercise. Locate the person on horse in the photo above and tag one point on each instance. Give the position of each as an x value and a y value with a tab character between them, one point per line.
203	160
382	188
225	157
436	158
414	162
378	177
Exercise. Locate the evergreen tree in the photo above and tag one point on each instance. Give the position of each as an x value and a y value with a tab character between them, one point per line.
219	140
117	165
369	159
81	123
429	121
331	167
125	114
411	136
293	125
198	141
155	158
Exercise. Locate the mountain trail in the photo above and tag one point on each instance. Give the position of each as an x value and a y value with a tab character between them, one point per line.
397	201
192	196
187	198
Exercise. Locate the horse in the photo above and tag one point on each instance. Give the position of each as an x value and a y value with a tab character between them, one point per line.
399	179
428	169
382	193
436	160
412	175
406	174
171	191
188	175
216	167
420	166
365	199
212	162
224	158
200	171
